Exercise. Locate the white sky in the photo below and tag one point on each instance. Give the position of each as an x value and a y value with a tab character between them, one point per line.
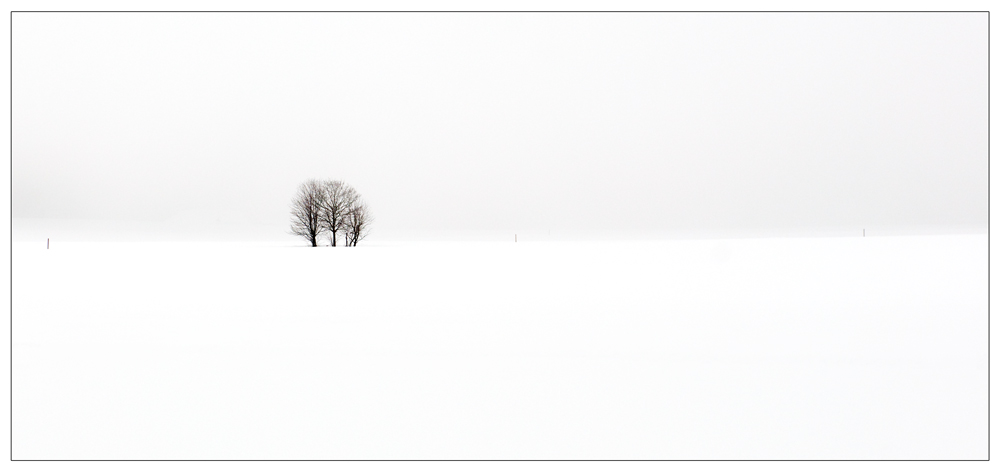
625	122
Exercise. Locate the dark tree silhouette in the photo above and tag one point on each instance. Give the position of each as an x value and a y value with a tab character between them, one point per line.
330	207
356	221
333	208
351	198
307	210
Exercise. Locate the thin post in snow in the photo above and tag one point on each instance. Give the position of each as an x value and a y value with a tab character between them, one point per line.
515	238
862	232
46	243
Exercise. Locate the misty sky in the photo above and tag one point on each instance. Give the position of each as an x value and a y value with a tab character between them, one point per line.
497	121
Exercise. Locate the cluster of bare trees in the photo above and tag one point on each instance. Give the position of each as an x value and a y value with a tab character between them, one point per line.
330	208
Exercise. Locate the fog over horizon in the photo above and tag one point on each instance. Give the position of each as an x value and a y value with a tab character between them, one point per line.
567	123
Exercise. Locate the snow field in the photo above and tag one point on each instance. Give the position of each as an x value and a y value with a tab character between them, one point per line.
821	348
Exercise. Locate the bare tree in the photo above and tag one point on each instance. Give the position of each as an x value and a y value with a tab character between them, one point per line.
333	208
306	211
350	199
357	221
330	207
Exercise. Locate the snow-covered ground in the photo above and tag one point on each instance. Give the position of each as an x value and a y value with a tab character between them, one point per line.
812	348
